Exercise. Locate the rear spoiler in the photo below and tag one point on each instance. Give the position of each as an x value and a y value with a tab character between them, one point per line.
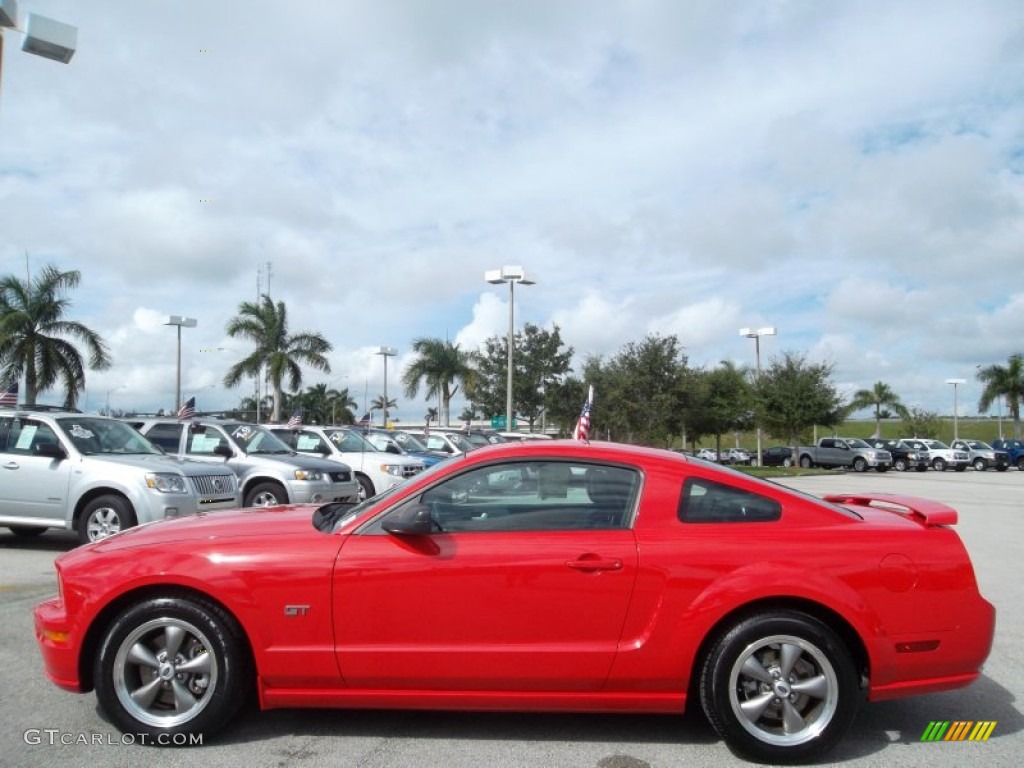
927	511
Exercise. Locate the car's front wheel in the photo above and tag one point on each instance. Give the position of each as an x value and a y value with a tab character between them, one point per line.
104	516
780	687
900	465
860	465
939	465
171	665
980	465
787	462
366	489
265	495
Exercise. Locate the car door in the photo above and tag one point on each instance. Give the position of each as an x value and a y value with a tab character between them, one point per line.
524	587
32	485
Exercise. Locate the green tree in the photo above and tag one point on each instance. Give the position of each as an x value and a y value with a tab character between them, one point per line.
882	399
34	335
921	423
540	361
377	404
342	406
796	395
277	353
1004	381
439	365
722	401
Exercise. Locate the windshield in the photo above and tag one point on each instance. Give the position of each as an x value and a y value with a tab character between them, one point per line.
255	439
351	442
409	442
92	436
936	444
978	445
856	442
461	442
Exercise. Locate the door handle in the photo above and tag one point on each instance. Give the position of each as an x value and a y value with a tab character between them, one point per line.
595	564
11	465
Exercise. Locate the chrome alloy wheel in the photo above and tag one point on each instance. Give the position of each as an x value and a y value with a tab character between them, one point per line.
164	672
783	690
103	522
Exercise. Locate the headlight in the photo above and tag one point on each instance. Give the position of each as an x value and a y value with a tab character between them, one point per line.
309	474
165	482
392	469
912	456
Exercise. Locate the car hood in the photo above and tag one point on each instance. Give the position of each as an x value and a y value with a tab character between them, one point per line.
293	460
210	527
158	462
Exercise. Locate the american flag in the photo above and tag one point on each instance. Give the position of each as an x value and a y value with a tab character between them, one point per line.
10	395
365	421
582	430
187	410
296	420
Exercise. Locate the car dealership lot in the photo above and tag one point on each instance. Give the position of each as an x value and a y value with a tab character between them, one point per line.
43	725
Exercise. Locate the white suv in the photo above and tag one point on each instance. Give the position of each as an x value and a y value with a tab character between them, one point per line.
942	455
375	470
96	476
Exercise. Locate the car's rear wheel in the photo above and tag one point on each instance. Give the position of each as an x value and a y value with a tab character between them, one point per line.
980	465
805	462
1020	463
900	465
860	465
939	465
780	688
104	516
171	665
26	531
366	489
265	495
787	462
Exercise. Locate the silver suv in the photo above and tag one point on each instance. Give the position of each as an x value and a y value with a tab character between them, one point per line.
375	470
269	471
96	476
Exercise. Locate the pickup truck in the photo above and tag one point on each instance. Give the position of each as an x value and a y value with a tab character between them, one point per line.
844	452
1015	449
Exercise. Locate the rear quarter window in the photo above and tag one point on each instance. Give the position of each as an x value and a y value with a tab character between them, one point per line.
708	501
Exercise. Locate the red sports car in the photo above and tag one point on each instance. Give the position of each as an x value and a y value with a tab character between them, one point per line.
548	575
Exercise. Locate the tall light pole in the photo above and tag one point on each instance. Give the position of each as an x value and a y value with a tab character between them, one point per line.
113	389
955	383
510	275
43	36
756	335
180	322
386	352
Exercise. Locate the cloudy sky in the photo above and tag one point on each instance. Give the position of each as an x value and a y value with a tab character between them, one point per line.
851	173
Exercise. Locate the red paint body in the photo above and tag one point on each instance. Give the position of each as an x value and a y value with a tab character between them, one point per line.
586	620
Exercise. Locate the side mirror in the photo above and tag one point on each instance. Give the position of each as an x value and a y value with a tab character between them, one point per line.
392	448
53	450
412	520
223	450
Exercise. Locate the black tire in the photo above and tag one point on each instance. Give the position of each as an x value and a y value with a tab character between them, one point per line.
960	468
805	462
265	495
818	655
900	465
980	465
1001	468
939	464
882	468
26	531
1020	463
104	516
788	461
921	467
366	489
860	464
207	675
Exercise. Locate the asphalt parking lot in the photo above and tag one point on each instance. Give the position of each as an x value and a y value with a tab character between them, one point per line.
44	726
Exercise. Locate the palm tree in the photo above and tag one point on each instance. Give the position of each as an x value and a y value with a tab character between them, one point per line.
33	335
1004	381
342	406
266	325
377	404
438	364
878	397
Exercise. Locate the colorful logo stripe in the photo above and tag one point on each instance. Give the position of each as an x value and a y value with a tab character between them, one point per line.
959	730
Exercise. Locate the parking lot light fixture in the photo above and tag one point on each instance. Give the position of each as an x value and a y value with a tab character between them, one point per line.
386	352
510	275
180	322
756	335
955	383
44	37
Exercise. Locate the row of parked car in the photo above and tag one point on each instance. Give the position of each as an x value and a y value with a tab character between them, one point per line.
96	475
904	454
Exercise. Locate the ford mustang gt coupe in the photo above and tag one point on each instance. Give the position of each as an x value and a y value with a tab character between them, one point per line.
534	576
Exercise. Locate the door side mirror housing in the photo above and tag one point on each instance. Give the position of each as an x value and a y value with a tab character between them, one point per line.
412	520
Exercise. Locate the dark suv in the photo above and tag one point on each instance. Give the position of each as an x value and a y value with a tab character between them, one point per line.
1015	449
